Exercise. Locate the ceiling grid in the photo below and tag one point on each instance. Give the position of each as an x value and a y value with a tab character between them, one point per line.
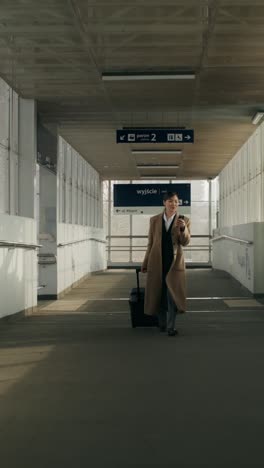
56	51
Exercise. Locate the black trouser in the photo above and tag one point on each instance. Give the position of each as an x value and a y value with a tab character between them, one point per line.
168	309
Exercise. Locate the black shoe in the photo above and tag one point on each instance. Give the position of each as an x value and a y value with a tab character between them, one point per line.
172	332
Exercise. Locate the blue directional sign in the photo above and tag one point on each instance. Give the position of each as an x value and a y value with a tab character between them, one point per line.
170	135
139	195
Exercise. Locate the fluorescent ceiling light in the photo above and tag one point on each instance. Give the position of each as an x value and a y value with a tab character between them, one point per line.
149	151
147	76
158	166
154	177
257	117
154	128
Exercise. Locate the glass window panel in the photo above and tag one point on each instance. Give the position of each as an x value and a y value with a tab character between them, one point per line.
140	225
120	257
120	225
200	218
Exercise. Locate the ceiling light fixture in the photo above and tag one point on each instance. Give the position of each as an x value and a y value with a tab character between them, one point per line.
154	128
158	166
154	177
257	117
147	76
149	151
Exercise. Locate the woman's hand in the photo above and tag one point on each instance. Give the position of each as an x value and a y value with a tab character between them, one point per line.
180	223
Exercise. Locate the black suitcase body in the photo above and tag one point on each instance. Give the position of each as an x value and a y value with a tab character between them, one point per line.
136	304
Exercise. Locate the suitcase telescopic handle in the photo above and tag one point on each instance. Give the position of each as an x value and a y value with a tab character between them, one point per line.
137	272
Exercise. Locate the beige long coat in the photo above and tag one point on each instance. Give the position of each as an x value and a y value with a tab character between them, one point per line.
152	262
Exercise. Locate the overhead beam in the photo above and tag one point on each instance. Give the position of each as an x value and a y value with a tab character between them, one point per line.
42	29
25	13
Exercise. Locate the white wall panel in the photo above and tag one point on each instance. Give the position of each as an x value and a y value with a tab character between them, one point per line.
236	258
77	260
225	183
256	201
8	149
262	147
235	207
244	161
4	114
68	183
231	174
243	261
236	172
84	195
241	184
96	210
13	168
80	190
61	182
14	109
83	200
4	180
83	255
27	157
13	154
245	203
251	158
257	151
89	197
74	188
251	201
18	267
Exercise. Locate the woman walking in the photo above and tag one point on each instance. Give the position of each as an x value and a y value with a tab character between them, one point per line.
164	264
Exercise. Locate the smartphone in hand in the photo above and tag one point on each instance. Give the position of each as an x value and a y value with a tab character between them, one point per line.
183	227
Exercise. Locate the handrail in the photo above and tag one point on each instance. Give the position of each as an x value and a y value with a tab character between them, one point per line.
20	245
186	249
145	237
63	244
97	240
145	246
234	239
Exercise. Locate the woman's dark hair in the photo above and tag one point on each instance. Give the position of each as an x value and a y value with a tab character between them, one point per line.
168	195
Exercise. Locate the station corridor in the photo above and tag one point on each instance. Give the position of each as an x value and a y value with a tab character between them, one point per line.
80	387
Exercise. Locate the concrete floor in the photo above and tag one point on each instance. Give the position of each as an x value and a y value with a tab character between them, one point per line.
79	387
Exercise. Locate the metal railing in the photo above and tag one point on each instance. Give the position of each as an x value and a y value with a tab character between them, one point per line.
233	239
63	244
129	248
19	245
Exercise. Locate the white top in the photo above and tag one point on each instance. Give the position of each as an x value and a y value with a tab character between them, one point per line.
168	221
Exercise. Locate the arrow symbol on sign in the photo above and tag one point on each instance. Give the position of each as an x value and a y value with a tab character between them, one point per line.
187	137
122	137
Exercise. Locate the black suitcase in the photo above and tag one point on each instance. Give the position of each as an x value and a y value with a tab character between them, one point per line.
136	304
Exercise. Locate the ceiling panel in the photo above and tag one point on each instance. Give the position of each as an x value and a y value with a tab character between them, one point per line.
56	52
